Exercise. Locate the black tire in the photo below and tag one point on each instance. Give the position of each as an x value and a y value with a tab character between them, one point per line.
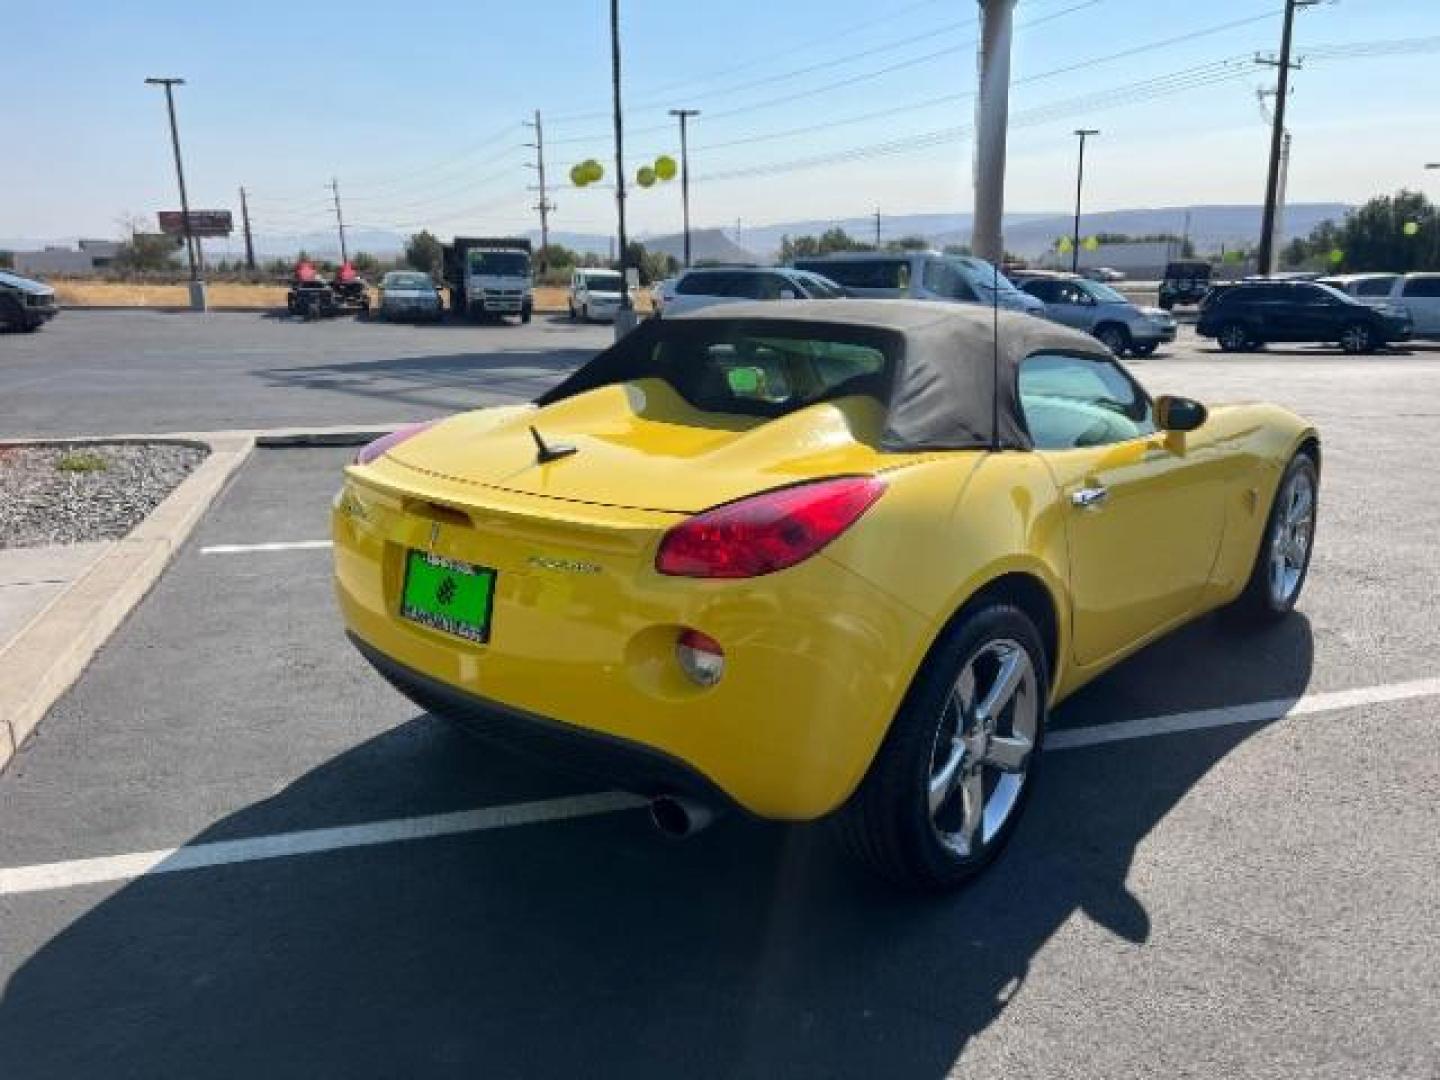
1148	349
571	305
1259	603
1114	337
525	314
1357	338
1234	336
887	823
1166	303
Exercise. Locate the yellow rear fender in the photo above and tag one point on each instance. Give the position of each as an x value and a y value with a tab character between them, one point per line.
956	525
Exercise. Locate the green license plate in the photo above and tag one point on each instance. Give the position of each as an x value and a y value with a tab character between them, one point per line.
447	595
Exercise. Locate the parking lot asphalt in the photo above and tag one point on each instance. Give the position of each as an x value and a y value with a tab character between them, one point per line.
107	372
1246	900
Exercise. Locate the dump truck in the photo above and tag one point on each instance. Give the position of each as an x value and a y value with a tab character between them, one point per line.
489	277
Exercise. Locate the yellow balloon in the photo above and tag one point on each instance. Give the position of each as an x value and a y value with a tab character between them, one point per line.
665	168
579	175
1412	228
645	177
595	170
1091	244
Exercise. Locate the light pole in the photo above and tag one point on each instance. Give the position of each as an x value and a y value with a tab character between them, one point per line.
685	114
625	317
1084	134
197	287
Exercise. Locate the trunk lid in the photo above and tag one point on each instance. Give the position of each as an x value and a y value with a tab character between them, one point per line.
641	446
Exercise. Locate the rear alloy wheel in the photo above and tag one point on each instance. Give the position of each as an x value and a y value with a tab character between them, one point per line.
951	779
1357	338
1114	337
1234	337
1283	560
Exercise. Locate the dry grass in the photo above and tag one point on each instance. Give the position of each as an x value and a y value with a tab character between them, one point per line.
121	294
259	297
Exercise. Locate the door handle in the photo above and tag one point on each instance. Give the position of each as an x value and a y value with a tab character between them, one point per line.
1089	497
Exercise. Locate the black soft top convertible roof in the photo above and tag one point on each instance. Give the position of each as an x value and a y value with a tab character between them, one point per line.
942	395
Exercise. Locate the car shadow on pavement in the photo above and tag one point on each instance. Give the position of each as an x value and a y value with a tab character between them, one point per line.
413	380
593	948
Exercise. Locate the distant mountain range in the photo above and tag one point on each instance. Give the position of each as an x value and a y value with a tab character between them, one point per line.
1027	233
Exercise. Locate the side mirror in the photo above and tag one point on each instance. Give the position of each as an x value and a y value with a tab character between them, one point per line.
1179	413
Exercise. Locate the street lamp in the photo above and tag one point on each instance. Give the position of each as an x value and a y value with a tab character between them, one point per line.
685	114
1084	133
197	287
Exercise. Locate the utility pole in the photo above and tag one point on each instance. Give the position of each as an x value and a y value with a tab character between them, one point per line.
625	317
339	220
685	114
1084	133
197	291
1266	262
249	240
877	228
544	205
992	121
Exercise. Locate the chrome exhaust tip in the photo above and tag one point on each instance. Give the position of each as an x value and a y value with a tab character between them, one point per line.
678	817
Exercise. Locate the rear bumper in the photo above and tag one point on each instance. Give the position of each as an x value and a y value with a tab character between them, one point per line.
582	643
612	761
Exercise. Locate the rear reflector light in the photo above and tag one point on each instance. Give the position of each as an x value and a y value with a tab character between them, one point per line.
766	532
370	451
700	657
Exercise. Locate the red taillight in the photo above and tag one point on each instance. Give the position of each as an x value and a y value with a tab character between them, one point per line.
766	532
370	451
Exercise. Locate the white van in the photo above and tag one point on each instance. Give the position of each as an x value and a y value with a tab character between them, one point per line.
595	293
921	275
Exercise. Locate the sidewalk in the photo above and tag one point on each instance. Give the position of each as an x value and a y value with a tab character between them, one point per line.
31	578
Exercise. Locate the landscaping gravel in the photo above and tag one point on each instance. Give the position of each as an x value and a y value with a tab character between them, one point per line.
73	494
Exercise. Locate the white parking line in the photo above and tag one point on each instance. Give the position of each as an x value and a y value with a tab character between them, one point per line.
74	872
62	875
244	549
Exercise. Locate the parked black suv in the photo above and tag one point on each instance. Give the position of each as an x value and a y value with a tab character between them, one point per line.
1249	314
24	304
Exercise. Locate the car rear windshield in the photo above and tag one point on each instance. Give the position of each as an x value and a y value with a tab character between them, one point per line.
863	273
771	370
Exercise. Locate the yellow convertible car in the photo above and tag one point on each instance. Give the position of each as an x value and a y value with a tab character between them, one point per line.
816	557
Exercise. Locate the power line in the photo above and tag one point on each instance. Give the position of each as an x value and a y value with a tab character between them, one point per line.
849	80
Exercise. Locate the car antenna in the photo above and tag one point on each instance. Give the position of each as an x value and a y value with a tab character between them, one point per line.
547	452
995	357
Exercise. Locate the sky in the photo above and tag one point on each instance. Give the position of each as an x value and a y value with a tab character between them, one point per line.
417	109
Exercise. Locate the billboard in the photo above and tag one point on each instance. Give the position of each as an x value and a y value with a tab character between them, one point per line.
202	222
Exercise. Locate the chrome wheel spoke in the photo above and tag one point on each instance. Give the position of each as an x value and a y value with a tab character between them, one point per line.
943	781
973	794
1013	668
1009	753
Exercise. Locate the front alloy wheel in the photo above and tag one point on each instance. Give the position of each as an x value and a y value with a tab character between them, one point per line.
1283	561
1233	337
951	778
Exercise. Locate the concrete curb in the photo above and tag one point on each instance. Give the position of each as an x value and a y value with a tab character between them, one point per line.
50	652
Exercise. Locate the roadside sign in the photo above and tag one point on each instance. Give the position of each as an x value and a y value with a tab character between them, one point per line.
202	222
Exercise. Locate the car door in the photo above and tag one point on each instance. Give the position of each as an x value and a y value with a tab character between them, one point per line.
1420	295
1318	315
1144	510
1072	306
